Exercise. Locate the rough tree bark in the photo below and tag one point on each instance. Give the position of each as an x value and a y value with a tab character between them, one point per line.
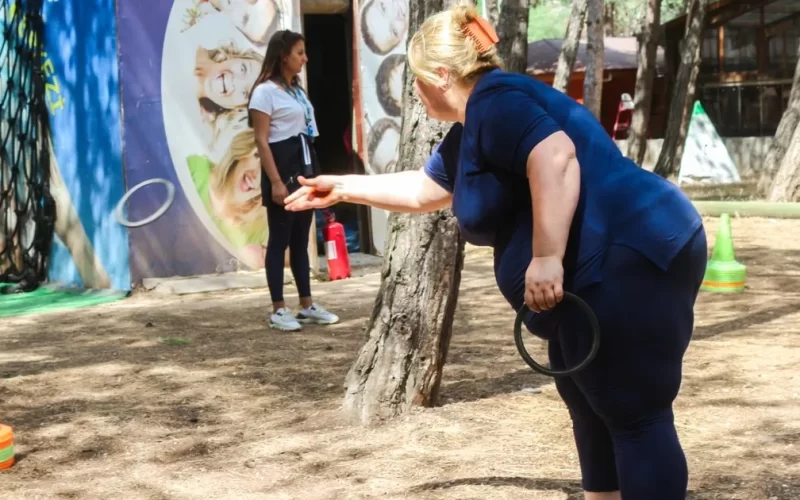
783	137
643	94
786	186
400	365
492	12
569	49
682	92
595	51
513	31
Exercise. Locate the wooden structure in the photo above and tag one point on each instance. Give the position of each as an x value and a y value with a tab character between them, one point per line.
620	65
749	53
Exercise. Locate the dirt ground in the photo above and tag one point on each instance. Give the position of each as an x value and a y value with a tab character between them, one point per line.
106	406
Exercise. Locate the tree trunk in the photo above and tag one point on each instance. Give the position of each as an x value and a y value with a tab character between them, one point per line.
569	49
595	51
783	136
409	332
609	19
492	12
786	186
683	92
513	30
643	95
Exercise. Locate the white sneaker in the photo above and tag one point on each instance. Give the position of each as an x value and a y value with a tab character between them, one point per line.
317	314
284	320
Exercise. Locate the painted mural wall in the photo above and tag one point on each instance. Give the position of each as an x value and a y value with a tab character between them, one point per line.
186	67
382	37
90	248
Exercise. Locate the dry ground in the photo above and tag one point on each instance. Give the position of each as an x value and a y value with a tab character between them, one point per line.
103	409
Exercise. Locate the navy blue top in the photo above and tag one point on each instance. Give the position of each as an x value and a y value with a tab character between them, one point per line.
483	164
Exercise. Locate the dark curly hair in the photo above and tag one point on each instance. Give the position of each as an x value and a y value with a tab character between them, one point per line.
383	82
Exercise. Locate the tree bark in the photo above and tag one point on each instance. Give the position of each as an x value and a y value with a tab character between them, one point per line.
595	51
643	94
513	30
408	335
683	92
492	12
569	49
783	136
786	186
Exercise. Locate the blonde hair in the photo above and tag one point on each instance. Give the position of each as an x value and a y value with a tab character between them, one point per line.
440	43
222	181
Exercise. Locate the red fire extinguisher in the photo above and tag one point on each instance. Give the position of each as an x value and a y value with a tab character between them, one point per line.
336	248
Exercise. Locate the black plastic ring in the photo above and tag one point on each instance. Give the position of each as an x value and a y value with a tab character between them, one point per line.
594	324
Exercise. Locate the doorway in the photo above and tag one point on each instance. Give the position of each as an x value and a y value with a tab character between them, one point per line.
329	77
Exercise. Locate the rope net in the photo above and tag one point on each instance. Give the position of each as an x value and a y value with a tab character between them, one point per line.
27	211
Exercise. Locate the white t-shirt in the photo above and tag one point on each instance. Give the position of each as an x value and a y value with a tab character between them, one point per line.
287	113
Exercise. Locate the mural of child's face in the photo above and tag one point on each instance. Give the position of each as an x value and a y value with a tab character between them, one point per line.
385	23
386	154
251	17
228	83
396	83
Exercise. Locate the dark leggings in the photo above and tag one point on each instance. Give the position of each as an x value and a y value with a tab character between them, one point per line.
621	404
288	229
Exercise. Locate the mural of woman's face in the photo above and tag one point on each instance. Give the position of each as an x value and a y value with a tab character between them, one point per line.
251	17
385	23
228	83
245	179
295	61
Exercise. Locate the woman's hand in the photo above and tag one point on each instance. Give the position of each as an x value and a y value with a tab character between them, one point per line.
544	282
279	193
318	192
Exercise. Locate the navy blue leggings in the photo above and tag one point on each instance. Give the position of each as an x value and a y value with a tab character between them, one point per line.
621	404
288	229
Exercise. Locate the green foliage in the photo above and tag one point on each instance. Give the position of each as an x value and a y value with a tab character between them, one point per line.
549	18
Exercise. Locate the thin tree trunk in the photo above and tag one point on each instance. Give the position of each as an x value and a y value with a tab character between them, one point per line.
569	49
492	12
783	136
408	335
595	51
683	92
786	187
643	95
513	30
609	19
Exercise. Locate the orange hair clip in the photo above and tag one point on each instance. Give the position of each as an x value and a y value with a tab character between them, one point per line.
482	33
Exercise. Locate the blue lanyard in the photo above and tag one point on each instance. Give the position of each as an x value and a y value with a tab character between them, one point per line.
303	101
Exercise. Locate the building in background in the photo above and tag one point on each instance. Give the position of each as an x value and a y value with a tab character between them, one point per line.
620	65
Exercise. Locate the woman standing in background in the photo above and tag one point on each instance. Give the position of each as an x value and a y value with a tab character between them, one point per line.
283	119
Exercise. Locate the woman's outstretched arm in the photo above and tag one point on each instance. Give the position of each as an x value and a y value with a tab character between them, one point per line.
411	191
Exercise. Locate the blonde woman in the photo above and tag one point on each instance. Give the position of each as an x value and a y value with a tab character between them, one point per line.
532	173
231	193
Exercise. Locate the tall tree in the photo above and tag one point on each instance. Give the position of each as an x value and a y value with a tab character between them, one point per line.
683	91
782	141
786	186
595	52
492	11
408	335
513	31
569	49
643	94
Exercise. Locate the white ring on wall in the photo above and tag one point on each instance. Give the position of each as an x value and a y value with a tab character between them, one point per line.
158	213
